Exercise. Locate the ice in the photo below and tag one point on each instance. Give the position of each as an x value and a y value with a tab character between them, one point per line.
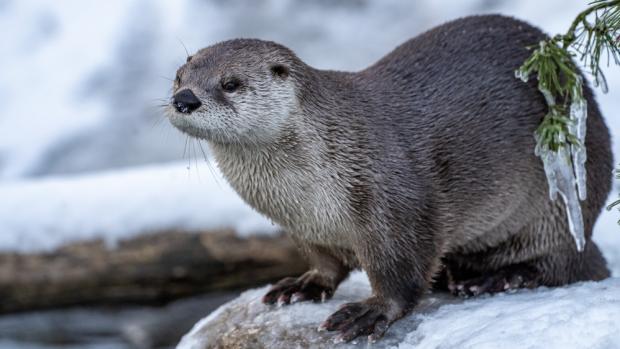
578	115
565	168
522	75
561	180
548	96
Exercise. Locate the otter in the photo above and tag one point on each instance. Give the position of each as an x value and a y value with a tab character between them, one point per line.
419	169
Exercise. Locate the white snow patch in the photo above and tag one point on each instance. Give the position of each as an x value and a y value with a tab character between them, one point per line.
576	316
46	213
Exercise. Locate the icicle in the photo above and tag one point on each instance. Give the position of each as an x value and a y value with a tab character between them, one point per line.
548	96
522	75
564	167
540	148
562	181
578	114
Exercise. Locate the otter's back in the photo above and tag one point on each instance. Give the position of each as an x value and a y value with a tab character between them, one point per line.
451	98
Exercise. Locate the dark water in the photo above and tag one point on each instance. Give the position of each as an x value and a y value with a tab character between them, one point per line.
107	327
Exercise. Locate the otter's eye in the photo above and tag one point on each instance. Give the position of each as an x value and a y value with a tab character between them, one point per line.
177	81
230	86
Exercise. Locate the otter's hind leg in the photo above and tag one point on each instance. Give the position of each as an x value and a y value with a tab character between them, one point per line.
536	256
559	268
564	266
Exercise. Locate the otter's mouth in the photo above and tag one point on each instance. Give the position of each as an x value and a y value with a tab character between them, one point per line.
183	123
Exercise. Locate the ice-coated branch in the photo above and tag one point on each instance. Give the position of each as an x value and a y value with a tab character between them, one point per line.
560	138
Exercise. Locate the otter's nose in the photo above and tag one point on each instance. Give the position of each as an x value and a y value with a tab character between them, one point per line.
185	101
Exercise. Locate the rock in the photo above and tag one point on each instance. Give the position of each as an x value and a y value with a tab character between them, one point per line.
150	269
582	315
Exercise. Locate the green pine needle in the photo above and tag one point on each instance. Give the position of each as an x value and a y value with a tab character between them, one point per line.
559	81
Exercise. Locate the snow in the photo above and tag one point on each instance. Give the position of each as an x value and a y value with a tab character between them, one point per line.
46	213
576	316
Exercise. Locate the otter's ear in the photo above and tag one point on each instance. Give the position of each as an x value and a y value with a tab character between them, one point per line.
279	70
189	58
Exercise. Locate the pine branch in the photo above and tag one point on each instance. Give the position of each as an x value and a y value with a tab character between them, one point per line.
596	40
558	77
560	138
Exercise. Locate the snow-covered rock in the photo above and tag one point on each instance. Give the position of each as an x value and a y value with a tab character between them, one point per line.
582	315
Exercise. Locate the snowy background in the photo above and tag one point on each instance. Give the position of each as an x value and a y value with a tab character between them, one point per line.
81	125
85	150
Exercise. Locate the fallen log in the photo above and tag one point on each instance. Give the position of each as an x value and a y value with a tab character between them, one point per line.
149	269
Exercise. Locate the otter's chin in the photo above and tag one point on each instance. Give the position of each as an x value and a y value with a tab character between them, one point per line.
185	125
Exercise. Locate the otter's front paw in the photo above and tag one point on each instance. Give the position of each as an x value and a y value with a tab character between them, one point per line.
310	286
371	318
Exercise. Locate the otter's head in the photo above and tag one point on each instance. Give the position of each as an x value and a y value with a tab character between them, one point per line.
238	91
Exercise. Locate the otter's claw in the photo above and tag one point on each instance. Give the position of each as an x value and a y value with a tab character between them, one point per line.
293	290
357	319
500	281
